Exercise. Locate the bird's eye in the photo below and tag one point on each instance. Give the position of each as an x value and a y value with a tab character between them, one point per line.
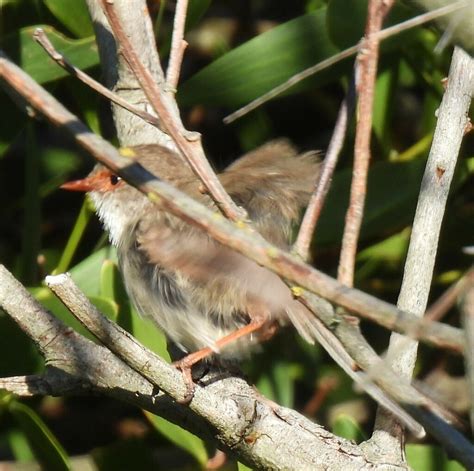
114	179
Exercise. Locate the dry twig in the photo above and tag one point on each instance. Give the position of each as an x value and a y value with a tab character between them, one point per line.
366	66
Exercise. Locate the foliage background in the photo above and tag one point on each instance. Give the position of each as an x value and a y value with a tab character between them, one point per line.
238	50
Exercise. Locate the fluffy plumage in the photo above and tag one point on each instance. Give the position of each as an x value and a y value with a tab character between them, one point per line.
196	289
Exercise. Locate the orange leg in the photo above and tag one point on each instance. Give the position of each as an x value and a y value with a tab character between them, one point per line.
186	363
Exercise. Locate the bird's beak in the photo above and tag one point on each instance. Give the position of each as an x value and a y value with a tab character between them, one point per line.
85	185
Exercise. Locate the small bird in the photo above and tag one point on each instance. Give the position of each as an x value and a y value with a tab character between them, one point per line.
207	298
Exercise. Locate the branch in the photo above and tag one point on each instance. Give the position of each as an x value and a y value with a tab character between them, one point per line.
311	216
228	410
366	66
236	236
418	272
178	44
42	39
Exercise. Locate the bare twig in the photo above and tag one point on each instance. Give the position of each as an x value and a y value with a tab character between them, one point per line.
178	45
311	216
42	39
467	309
366	61
230	234
418	272
442	305
314	69
189	143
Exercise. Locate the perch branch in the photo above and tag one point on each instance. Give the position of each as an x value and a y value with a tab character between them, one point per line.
232	410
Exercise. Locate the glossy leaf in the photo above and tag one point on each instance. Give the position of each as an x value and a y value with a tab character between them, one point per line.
180	437
264	62
21	48
46	447
72	14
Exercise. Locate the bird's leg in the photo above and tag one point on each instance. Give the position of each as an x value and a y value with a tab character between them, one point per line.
258	320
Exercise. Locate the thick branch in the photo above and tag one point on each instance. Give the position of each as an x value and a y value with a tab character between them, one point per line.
418	272
235	415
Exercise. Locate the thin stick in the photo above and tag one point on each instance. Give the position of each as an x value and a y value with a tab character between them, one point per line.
42	39
367	69
384	34
311	216
230	234
419	265
189	143
444	303
178	45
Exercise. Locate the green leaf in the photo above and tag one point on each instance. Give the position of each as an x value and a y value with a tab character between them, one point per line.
86	274
72	14
106	306
180	437
145	331
21	47
19	445
75	237
263	63
242	467
428	458
345	426
46	447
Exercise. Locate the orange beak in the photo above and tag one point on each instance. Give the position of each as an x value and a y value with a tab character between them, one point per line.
99	181
85	185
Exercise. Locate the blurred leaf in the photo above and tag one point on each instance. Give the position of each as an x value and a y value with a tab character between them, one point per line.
13	339
146	332
242	467
262	63
392	249
19	445
86	274
391	200
346	23
75	237
196	10
74	15
384	94
31	235
284	381
429	458
46	447
106	306
133	454
345	426
21	47
180	437
58	162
